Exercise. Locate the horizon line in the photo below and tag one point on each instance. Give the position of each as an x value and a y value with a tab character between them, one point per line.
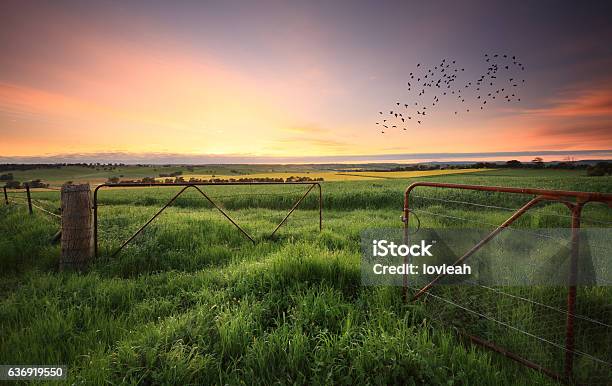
185	158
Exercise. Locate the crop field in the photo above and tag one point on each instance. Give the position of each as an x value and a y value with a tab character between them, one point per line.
192	301
343	176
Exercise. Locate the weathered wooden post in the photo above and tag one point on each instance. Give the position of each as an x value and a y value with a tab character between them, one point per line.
5	195
77	231
29	198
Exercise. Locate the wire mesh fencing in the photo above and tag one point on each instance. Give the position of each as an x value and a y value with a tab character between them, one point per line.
557	328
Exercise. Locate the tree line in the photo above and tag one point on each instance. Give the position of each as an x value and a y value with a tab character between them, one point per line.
176	180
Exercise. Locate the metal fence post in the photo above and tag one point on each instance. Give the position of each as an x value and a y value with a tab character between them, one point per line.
320	208
571	292
29	198
405	220
95	221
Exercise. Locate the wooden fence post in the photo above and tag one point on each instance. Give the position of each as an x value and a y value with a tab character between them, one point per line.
77	231
5	195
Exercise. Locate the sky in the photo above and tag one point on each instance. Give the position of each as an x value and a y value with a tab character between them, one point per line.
293	80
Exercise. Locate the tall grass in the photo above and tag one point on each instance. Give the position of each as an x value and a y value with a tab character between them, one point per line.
191	301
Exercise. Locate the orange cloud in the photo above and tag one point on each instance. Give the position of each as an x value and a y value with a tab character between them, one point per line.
589	101
580	117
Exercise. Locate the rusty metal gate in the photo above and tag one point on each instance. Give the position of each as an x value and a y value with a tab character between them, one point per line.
188	185
575	201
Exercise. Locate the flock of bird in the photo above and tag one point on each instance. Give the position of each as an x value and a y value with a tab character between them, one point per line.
427	87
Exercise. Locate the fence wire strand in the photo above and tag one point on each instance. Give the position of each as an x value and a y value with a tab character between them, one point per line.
559	346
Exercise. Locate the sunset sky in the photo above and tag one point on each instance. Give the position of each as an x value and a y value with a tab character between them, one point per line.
286	79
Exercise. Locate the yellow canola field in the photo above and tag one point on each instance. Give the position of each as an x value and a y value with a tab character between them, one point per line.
340	176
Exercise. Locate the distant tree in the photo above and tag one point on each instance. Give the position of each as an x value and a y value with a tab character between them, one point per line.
514	164
37	184
13	184
600	169
538	162
113	180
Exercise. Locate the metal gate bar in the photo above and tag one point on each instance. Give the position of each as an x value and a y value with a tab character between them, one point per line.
575	201
187	185
482	242
224	214
292	209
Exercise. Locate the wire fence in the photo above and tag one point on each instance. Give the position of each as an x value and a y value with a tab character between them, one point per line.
48	205
526	323
534	331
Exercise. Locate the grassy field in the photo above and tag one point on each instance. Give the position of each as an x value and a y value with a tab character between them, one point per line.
191	301
100	174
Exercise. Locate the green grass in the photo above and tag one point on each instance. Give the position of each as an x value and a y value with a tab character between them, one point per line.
191	301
